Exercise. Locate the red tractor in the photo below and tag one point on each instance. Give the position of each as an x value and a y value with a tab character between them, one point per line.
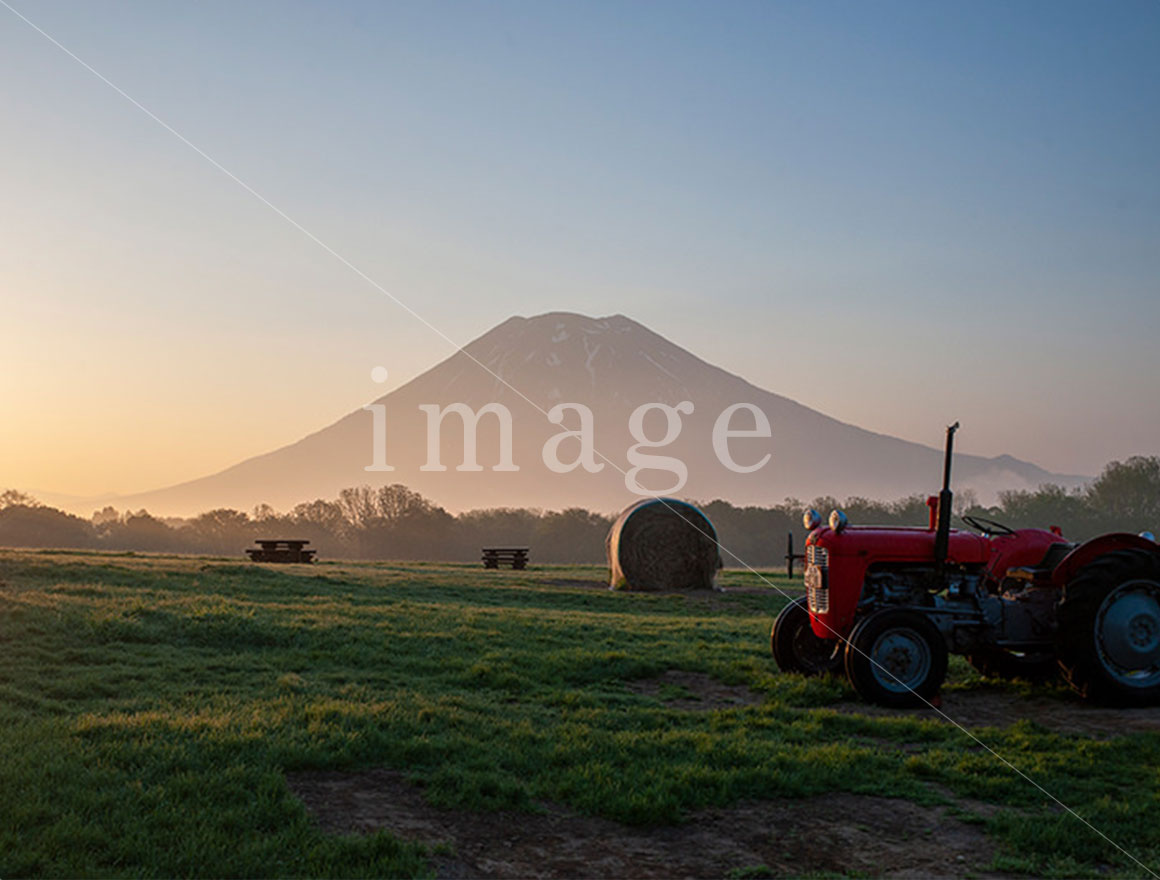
887	605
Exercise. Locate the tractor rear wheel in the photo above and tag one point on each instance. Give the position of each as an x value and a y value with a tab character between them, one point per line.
796	648
1108	639
896	658
997	663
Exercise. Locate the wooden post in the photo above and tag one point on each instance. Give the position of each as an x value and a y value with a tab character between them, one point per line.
789	554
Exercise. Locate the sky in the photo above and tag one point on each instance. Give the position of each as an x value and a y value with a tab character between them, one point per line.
897	213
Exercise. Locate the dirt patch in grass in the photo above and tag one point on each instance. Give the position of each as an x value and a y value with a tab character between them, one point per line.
694	691
999	709
834	833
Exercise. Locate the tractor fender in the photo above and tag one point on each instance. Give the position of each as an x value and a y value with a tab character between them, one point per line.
1086	552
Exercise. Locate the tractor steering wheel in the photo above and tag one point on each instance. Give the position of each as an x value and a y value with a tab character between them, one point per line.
987	526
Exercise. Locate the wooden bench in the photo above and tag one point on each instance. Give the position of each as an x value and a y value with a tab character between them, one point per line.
281	551
516	557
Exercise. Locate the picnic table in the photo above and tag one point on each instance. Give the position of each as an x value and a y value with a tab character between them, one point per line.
516	557
281	550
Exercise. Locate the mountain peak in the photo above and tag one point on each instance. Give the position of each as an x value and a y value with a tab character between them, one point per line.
565	355
556	322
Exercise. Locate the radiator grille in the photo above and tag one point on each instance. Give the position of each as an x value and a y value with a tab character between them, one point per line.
817	588
818	595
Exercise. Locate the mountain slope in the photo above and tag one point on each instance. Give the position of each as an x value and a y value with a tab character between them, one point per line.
612	365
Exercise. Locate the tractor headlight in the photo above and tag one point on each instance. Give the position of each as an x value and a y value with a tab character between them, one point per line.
811	519
838	520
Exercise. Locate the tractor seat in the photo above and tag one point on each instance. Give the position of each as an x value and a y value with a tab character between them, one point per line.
1055	554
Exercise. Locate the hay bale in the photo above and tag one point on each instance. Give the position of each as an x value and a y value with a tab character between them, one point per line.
662	544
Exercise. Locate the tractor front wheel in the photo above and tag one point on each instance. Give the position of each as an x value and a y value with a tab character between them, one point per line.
796	648
896	658
1108	640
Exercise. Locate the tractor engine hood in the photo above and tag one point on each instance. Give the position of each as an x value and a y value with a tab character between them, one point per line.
899	544
838	562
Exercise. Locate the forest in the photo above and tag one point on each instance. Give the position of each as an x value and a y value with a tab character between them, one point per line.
394	522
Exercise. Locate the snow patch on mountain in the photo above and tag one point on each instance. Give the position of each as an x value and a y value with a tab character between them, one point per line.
590	353
664	370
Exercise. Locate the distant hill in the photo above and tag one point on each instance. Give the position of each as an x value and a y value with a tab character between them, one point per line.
612	365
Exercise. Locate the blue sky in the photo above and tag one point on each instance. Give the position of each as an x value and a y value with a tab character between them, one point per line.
897	213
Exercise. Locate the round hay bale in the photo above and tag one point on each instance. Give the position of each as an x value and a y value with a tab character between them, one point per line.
662	544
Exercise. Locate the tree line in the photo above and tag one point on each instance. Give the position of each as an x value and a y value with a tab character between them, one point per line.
394	522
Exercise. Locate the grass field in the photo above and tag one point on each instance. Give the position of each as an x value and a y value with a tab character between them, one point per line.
151	707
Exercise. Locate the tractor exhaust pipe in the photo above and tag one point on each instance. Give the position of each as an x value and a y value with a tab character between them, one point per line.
945	498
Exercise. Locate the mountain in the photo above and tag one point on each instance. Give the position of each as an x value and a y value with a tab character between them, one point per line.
611	365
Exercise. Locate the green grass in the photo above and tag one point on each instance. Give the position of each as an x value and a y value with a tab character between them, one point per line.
150	707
